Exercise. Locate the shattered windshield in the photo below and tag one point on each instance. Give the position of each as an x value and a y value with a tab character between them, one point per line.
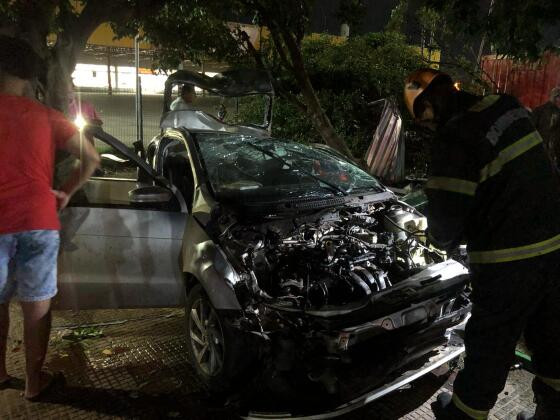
252	169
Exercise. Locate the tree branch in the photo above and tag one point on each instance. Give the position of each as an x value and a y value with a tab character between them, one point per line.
33	22
278	88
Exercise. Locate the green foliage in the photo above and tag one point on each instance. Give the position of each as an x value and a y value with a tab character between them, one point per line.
83	333
346	77
458	51
513	27
8	13
398	17
193	30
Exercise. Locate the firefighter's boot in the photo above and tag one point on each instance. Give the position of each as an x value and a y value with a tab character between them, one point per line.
444	409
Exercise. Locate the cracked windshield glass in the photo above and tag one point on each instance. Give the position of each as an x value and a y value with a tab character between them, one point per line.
264	169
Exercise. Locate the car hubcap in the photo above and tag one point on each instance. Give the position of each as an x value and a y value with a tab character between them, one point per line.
206	338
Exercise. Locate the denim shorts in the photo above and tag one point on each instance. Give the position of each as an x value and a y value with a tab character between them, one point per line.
28	265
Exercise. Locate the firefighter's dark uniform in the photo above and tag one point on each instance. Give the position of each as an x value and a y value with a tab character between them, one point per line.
492	184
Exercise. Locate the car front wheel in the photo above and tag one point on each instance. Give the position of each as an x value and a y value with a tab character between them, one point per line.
213	349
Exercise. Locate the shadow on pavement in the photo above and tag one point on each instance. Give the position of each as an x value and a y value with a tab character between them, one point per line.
135	404
403	401
199	405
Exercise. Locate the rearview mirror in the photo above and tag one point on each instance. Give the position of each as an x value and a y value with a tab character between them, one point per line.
150	195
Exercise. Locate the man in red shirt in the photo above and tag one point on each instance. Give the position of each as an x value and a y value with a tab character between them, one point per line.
30	133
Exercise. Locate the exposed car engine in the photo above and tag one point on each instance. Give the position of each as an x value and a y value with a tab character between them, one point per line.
339	259
324	292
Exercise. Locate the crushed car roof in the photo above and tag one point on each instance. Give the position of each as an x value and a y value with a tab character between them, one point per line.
228	83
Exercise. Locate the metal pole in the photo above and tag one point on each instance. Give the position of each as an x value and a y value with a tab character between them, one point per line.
140	113
110	87
139	143
137	97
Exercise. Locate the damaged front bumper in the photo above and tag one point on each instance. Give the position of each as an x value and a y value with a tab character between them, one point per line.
416	314
441	355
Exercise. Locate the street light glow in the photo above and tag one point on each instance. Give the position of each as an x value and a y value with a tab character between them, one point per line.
80	122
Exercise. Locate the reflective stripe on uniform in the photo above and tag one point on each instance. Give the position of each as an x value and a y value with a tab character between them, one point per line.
471	412
484	103
509	153
553	383
513	254
456	185
504	122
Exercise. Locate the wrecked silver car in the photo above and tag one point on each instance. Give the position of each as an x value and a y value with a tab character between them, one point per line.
301	275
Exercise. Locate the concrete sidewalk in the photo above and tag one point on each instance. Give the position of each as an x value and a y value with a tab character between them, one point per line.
132	364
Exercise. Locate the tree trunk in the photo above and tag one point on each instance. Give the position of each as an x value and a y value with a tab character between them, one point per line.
314	109
322	123
60	61
61	64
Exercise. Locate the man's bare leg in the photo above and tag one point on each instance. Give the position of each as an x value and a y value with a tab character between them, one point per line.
36	332
4	327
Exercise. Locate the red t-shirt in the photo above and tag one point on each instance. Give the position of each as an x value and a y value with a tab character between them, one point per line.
30	133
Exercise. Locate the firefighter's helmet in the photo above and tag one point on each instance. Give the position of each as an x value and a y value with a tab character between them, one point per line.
417	82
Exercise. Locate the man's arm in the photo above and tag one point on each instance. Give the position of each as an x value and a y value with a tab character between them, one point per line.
451	188
89	160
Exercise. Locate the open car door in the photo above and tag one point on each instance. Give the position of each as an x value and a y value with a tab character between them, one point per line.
121	240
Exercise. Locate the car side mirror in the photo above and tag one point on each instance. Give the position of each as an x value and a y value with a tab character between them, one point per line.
149	195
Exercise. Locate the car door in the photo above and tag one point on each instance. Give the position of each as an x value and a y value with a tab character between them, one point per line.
115	254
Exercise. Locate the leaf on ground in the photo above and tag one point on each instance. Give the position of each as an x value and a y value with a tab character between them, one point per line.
107	352
83	333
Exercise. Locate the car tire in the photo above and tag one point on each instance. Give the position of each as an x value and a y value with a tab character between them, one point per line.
214	350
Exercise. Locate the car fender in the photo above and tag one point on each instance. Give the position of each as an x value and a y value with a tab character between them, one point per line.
206	261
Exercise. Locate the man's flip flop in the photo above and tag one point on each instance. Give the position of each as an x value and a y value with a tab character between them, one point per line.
57	381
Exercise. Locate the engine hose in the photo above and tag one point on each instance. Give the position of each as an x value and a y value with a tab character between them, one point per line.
374	284
361	283
256	288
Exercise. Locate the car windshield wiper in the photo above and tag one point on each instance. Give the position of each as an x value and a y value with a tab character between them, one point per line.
335	188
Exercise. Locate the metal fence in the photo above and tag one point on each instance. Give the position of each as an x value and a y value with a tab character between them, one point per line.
118	113
530	82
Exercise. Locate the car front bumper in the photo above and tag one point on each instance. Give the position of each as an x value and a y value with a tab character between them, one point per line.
441	355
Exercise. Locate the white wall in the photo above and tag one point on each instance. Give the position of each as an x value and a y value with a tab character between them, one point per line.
95	76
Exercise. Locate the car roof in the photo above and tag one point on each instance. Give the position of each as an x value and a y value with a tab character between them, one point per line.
229	83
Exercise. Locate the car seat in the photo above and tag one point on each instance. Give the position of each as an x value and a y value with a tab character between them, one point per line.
177	169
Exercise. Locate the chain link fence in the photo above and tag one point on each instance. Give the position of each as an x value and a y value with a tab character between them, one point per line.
118	113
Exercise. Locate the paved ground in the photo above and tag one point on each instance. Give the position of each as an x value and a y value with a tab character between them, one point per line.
137	368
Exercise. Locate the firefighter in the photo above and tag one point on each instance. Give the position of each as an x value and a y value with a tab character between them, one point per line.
492	186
